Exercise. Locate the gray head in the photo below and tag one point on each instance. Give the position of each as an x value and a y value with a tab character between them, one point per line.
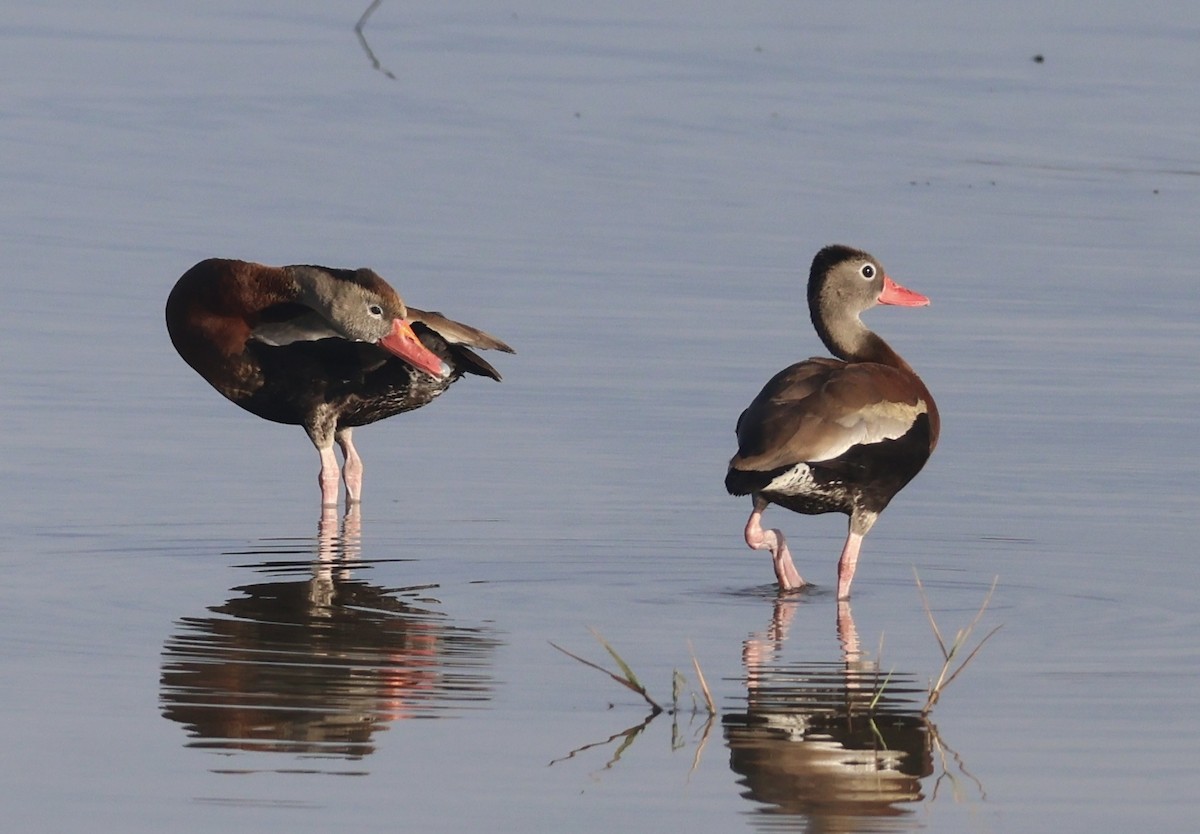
359	306
842	283
355	304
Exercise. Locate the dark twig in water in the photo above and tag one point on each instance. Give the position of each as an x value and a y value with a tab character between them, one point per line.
362	39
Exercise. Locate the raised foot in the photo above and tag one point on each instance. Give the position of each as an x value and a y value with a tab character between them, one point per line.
785	570
781	558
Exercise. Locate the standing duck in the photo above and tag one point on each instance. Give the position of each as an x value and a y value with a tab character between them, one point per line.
837	435
326	349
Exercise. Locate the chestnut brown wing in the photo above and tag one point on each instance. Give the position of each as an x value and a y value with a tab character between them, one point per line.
818	409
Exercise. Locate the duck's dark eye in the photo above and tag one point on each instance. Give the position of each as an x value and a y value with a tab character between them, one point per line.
867	271
375	310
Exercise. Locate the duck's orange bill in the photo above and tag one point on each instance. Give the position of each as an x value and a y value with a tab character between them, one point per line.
403	342
893	293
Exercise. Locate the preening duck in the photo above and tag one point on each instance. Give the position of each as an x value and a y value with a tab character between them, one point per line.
326	349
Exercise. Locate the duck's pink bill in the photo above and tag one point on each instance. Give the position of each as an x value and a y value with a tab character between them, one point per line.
900	296
403	342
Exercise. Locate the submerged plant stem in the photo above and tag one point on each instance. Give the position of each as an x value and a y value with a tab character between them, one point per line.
629	681
946	675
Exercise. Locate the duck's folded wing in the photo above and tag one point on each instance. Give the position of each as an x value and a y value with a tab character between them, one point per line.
817	410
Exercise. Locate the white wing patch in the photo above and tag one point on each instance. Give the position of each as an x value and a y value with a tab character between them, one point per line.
872	424
306	328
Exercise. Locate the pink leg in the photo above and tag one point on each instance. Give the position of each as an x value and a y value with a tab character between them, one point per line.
352	471
328	479
847	563
773	540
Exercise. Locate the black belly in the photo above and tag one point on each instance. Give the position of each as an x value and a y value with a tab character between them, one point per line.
864	477
353	382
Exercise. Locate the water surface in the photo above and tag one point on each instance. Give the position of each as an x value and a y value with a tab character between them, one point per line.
630	196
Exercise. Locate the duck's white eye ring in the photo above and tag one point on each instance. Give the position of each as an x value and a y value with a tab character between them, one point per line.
375	310
867	271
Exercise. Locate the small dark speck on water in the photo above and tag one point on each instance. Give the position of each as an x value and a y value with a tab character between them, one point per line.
1039	58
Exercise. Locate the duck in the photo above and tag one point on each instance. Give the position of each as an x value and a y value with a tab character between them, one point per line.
323	348
841	434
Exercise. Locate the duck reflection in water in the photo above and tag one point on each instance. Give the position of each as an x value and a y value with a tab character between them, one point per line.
831	741
316	666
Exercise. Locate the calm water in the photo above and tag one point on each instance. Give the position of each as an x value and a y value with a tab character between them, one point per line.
630	195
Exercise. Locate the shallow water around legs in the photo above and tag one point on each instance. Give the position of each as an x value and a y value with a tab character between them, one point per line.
630	196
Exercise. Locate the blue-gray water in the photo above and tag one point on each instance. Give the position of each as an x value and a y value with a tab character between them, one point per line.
630	195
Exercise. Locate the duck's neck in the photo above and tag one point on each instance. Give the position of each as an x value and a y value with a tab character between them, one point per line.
310	286
852	341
